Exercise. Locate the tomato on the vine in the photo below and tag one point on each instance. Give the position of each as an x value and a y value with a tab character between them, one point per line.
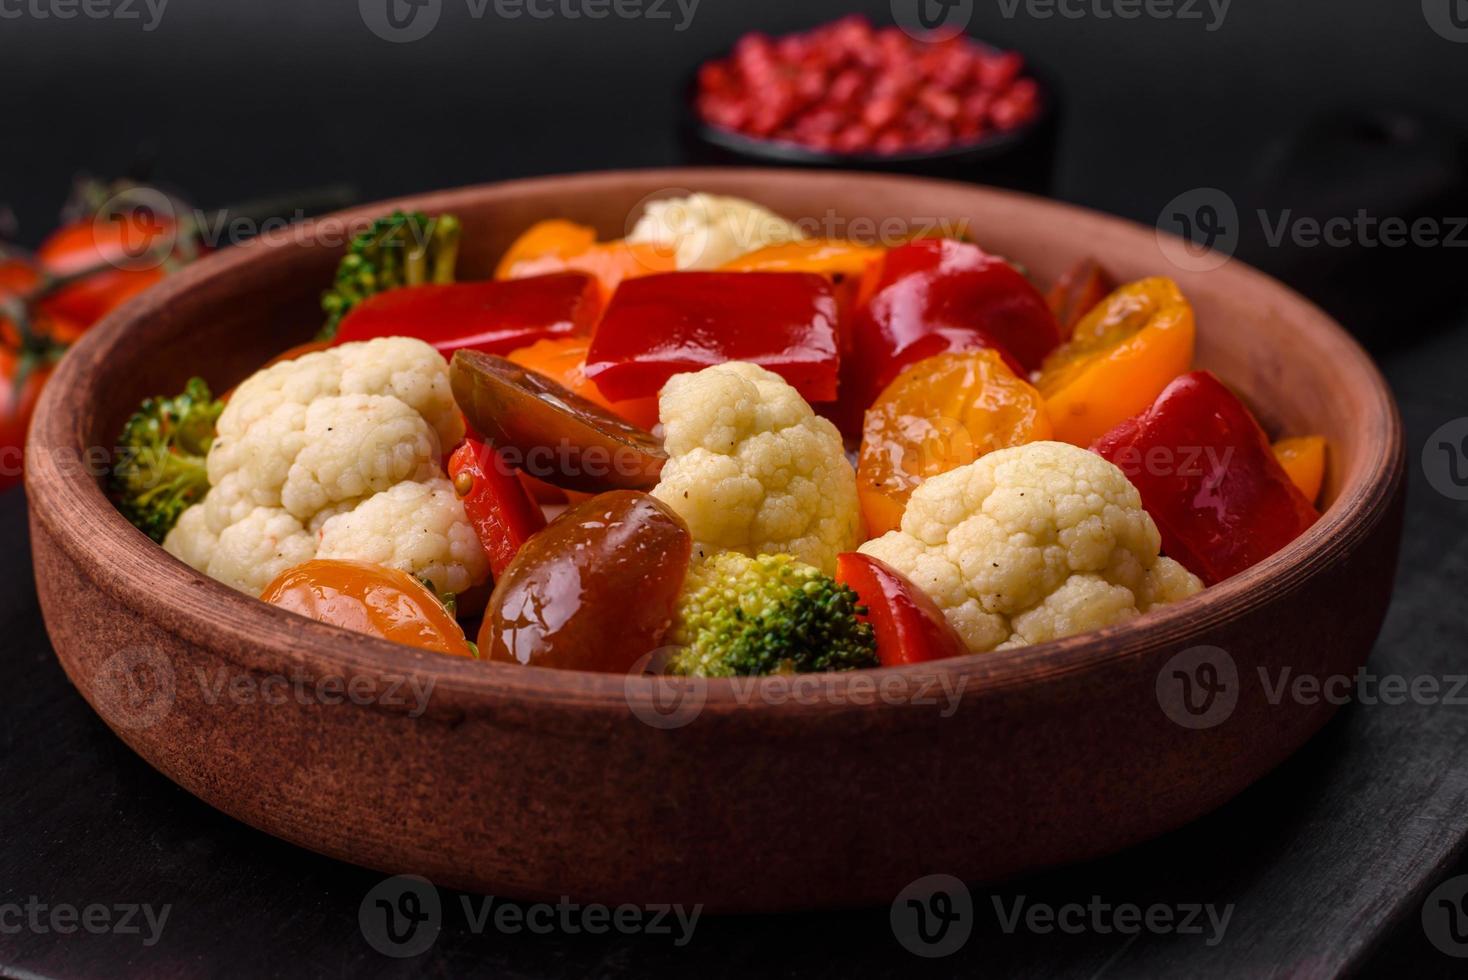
129	245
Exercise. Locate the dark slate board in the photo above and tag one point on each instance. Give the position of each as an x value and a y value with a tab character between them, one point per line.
1325	862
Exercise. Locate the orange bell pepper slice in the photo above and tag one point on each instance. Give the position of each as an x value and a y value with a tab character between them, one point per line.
941	413
1122	354
823	256
1303	458
561	239
563	359
610	263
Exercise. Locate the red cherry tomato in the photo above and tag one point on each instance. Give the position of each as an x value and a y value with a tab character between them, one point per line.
125	251
503	513
909	626
18	397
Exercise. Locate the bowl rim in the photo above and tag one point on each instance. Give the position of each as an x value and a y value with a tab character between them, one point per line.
212	616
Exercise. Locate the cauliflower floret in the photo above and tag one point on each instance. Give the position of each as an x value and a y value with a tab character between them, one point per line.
706	231
419	528
191	540
251	553
407	369
305	445
1033	543
357	445
752	469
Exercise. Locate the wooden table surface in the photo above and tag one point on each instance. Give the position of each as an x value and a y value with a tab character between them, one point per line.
1325	864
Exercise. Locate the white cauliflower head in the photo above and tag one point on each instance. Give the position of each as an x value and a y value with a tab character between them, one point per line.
322	437
752	469
1033	543
416	527
706	231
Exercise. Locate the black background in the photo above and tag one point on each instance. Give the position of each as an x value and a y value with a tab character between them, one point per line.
229	101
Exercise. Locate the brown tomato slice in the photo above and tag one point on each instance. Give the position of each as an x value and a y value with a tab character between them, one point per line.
595	590
551	432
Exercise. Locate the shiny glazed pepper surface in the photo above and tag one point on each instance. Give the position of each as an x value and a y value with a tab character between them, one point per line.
1209	478
491	316
938	295
664	325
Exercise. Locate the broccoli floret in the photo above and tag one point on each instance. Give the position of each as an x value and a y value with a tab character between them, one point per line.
401	249
767	615
159	469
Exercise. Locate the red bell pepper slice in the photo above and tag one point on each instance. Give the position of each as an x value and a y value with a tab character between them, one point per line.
1209	478
659	326
503	513
909	626
949	290
495	316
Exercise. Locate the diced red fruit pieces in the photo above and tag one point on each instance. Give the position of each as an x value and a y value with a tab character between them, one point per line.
494	316
1209	478
875	90
659	326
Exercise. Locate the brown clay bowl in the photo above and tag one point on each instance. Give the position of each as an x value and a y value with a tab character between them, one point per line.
536	783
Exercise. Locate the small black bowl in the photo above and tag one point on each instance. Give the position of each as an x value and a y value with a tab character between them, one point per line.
1021	159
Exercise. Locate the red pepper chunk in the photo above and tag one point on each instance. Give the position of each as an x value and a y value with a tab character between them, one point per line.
496	316
909	626
503	513
1209	478
933	296
659	326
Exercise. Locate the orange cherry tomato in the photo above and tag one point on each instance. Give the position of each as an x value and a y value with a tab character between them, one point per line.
370	599
1303	458
1121	356
824	256
938	415
563	359
554	237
